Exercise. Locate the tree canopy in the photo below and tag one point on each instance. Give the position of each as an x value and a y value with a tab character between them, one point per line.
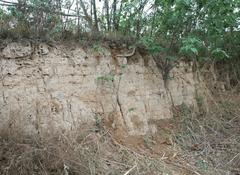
195	28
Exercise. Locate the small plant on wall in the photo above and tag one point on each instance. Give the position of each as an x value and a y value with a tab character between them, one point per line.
109	78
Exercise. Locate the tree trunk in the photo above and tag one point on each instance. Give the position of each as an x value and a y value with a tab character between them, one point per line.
78	20
86	15
119	16
95	16
107	15
114	7
139	17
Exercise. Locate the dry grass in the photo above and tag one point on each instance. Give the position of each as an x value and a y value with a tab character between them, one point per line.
211	141
84	151
210	144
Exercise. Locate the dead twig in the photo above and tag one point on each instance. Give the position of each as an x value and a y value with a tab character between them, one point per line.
130	170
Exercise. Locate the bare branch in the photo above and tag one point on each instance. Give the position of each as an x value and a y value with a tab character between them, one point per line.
7	2
8	5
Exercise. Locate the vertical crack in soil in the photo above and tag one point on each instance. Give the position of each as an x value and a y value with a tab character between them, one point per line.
118	101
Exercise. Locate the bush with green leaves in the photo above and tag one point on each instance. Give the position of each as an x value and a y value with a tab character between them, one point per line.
219	54
191	46
153	47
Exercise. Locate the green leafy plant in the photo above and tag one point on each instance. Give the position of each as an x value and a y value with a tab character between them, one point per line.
200	100
99	122
202	165
98	48
123	66
219	54
131	109
152	46
191	46
107	78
